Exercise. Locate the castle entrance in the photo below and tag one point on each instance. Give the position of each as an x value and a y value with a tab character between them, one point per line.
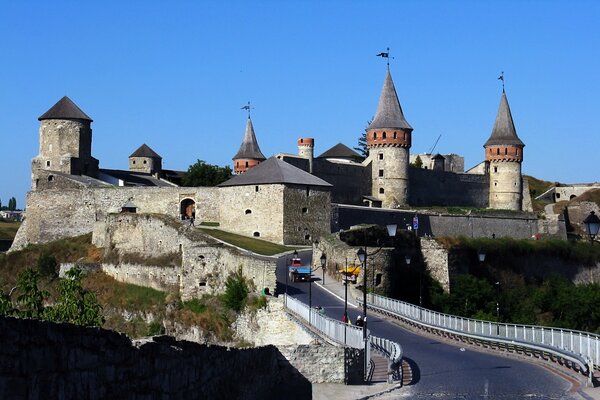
187	209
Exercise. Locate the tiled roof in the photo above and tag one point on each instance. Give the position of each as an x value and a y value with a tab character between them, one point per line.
389	113
504	132
340	150
249	148
145	151
65	109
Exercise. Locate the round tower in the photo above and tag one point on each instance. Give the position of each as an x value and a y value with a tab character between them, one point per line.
306	149
504	154
249	154
145	160
389	137
65	142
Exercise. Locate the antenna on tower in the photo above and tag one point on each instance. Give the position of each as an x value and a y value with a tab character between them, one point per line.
247	107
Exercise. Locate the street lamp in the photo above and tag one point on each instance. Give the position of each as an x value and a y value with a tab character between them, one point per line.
481	255
362	257
497	284
592	225
323	265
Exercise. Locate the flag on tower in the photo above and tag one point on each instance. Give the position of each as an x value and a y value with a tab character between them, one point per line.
384	55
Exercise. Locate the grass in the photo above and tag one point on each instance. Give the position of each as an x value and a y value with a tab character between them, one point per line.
8	229
254	245
536	188
208	223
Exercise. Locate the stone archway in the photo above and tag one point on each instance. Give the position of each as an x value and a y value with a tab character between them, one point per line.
187	209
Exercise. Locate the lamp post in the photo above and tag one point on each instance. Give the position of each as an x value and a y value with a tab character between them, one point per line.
323	265
481	256
592	225
497	284
362	257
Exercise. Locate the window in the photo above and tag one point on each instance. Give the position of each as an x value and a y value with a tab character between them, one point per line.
304	210
307	237
495	169
405	136
383	136
307	191
381	173
495	183
47	163
375	135
256	234
201	284
133	162
248	211
505	151
381	156
394	135
256	188
145	161
246	164
50	178
381	191
558	195
498	152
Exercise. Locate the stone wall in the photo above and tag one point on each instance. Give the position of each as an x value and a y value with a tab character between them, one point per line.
40	359
307	213
199	264
59	213
435	257
350	181
515	225
444	188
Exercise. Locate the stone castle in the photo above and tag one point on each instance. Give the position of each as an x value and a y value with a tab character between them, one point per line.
286	199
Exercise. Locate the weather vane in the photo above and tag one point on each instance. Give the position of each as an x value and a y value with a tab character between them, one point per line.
247	107
386	55
501	77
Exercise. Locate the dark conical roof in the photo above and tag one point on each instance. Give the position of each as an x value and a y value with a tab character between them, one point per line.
65	109
145	151
249	148
274	170
504	132
389	112
340	150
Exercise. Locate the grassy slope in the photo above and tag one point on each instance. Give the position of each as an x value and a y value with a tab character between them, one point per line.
255	245
8	230
536	188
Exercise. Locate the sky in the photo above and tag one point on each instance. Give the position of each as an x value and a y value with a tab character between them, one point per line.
174	75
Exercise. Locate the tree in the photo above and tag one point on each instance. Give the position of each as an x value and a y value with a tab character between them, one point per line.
418	162
203	174
75	304
12	204
236	291
47	265
30	302
362	142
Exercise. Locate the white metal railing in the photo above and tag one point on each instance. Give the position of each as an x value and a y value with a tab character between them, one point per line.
393	351
584	346
337	331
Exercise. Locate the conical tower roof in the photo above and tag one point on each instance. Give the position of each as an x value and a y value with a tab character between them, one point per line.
249	148
389	112
504	132
64	109
145	151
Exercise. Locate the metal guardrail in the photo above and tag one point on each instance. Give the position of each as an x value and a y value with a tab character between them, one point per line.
581	348
393	351
337	331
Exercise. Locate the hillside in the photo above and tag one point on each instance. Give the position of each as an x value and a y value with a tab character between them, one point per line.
8	229
536	188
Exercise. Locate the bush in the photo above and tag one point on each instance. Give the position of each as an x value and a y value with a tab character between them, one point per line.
236	291
47	265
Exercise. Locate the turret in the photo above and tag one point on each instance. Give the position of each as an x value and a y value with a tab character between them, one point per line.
504	154
389	141
146	160
306	149
65	142
249	154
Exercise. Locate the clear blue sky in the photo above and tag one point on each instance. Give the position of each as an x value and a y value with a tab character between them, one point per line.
175	74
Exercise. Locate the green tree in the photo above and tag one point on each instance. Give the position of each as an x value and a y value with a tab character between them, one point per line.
6	307
12	204
361	148
30	302
75	304
47	265
203	174
418	162
236	291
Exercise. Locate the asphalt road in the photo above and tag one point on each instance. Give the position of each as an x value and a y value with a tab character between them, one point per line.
441	370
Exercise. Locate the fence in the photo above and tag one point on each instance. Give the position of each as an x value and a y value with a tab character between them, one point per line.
579	347
337	331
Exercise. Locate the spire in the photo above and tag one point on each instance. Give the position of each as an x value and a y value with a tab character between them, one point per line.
504	132
65	109
389	112
249	148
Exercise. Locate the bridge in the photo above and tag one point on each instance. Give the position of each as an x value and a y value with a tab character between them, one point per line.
433	365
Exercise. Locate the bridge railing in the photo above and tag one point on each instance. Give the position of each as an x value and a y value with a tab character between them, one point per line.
337	331
393	352
583	348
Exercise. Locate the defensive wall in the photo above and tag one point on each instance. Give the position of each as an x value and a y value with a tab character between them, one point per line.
510	224
157	251
444	188
350	180
59	213
40	359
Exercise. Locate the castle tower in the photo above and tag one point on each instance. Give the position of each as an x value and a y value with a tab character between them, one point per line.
146	160
65	142
306	149
389	141
504	154
249	154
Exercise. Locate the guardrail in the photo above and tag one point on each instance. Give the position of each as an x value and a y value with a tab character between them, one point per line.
580	348
393	351
337	331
